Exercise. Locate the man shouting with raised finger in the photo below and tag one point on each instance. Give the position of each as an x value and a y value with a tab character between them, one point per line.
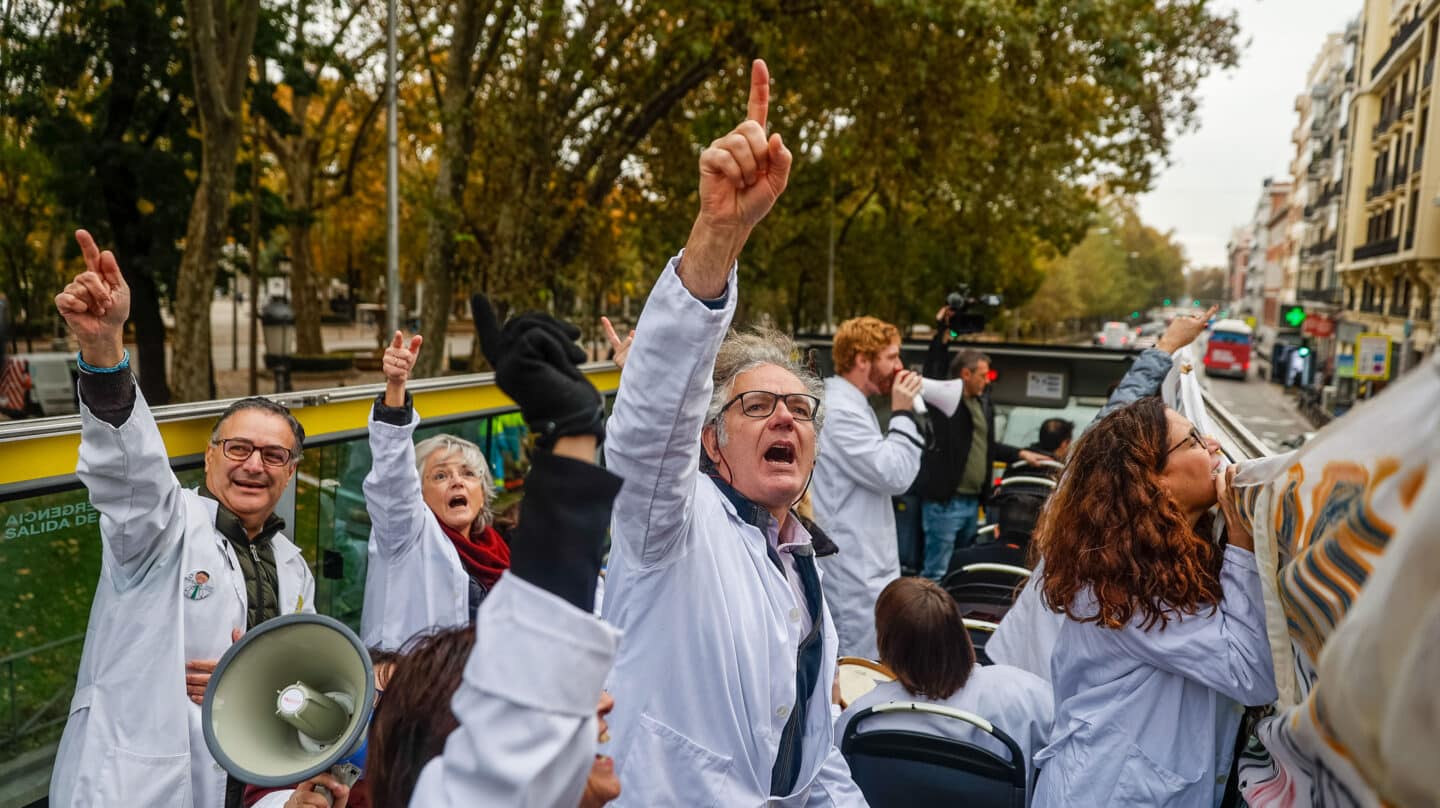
722	687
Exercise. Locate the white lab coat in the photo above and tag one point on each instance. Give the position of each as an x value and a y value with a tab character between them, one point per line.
1027	633
1150	717
414	580
857	471
1011	699
706	676
526	705
126	742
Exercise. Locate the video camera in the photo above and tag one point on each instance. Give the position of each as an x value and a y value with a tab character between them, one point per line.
964	318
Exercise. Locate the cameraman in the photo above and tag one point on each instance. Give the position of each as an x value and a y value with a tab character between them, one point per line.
955	470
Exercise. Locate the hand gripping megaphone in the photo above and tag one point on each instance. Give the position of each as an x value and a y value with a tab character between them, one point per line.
290	700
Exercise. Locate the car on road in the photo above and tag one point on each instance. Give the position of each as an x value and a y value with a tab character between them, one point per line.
1115	335
1147	335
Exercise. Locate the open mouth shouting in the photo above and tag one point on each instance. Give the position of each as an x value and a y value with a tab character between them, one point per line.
780	453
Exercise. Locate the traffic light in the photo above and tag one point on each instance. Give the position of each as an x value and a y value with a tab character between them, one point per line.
1167	301
1134	315
1195	302
1303	351
1294	316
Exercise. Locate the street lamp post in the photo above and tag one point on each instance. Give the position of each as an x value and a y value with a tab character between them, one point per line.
279	321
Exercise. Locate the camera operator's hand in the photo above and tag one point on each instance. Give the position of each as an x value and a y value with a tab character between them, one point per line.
942	322
537	363
904	390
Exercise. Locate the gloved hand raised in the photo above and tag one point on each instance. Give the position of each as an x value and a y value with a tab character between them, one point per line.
536	363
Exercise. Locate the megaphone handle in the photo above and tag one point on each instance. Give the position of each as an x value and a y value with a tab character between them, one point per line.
919	405
346	773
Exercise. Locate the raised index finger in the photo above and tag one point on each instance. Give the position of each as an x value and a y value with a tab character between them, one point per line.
89	250
759	92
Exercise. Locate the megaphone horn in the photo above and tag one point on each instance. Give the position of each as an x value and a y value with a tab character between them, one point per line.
944	395
289	700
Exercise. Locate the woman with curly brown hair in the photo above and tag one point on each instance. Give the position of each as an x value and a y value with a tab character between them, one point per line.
1165	638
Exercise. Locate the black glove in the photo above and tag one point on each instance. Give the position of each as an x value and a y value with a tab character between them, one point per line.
536	363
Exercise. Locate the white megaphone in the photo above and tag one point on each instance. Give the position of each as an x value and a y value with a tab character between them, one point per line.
945	395
290	700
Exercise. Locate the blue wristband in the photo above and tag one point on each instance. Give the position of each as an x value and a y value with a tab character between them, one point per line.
88	368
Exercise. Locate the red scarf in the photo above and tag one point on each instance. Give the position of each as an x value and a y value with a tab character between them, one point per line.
484	555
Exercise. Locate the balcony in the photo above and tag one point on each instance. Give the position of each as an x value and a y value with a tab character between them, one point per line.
1316	169
1375	249
1429	75
1387	118
1332	296
1318	249
1379	188
1401	38
1407	103
1401	174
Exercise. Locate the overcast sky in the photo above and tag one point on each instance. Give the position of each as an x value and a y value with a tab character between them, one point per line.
1246	117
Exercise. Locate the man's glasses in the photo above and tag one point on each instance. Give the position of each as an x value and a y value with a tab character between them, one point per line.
240	450
761	403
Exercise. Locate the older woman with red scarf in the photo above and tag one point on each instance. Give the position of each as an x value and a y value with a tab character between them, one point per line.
433	551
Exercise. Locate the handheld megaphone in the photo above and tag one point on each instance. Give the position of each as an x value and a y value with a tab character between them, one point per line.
290	700
943	394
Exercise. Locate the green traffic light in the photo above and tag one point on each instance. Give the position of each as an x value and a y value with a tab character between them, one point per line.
1195	302
1134	315
1167	301
1294	316
1304	351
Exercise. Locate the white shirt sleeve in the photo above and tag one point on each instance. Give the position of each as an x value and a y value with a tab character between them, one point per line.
526	706
886	463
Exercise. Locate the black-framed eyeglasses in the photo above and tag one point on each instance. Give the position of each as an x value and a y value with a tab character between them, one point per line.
1194	436
761	403
240	450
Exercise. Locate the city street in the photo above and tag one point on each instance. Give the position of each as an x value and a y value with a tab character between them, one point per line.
1262	407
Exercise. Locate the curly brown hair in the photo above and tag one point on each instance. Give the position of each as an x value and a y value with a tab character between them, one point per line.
1111	527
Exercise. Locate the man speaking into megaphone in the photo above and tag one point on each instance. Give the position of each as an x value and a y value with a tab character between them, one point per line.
858	469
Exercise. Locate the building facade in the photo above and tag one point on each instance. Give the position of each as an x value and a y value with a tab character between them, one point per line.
1389	242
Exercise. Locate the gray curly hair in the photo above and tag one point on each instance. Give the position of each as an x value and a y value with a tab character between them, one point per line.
473	457
747	350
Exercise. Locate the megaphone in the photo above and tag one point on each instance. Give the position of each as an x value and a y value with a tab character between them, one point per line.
290	700
943	394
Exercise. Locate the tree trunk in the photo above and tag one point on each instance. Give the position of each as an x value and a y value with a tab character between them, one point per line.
303	286
449	193
221	36
192	365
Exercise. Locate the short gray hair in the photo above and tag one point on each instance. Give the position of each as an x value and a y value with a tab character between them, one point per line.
967	359
746	350
473	457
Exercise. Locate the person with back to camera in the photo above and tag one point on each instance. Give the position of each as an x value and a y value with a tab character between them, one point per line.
723	685
1164	641
433	550
923	641
858	469
182	573
1026	635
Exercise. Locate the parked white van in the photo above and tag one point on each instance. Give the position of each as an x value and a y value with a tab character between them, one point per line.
52	380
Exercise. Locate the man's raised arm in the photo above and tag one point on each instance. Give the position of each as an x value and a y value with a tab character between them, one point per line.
741	176
654	429
123	462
